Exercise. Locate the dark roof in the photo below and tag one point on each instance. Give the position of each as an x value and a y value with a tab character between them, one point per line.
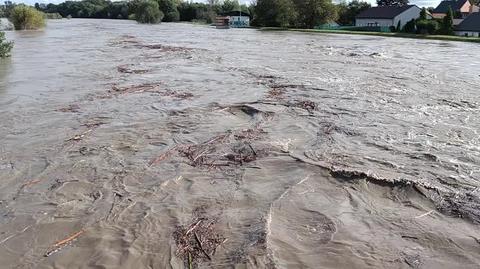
470	23
383	12
236	13
444	5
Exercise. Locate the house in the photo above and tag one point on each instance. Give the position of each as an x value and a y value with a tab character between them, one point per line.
387	16
238	19
470	26
461	9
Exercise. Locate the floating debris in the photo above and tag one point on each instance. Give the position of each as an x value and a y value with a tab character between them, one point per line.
145	87
70	108
198	241
125	68
307	105
62	243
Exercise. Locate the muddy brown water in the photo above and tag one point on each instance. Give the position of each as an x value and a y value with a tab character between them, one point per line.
177	146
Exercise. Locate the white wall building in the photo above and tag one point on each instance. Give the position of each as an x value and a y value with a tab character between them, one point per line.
388	16
238	19
470	26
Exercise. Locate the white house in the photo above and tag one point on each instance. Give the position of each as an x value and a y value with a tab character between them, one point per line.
388	16
238	19
470	26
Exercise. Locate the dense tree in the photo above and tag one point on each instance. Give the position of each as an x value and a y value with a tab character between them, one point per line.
5	46
427	27
410	27
190	11
447	23
348	12
392	2
423	14
312	13
26	18
229	5
276	13
6	9
148	11
169	8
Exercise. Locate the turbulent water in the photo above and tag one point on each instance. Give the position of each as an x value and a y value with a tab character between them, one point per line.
184	146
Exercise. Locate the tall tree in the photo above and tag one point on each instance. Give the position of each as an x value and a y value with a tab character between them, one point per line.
348	12
169	8
423	14
148	11
392	2
312	13
276	13
447	23
229	5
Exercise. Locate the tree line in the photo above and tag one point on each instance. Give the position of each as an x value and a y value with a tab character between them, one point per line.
282	13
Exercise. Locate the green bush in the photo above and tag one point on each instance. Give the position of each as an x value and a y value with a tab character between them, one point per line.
26	18
410	27
427	27
5	46
148	12
53	16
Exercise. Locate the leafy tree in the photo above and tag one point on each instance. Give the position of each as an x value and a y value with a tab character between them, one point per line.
5	46
399	26
447	23
229	5
26	18
7	8
312	13
275	13
169	8
427	27
423	14
148	11
348	12
392	2
190	11
410	27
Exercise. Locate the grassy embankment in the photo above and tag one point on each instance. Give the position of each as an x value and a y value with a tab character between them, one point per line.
403	35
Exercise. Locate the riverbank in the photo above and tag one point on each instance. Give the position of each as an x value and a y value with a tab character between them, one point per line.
402	35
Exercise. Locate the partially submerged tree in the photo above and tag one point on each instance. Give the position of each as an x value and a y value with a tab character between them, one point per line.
147	11
5	46
392	2
26	18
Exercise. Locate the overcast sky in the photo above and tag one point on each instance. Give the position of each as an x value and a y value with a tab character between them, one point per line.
420	3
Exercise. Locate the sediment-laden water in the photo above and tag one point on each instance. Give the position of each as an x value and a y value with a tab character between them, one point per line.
183	146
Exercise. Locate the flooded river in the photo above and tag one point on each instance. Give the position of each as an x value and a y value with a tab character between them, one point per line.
183	146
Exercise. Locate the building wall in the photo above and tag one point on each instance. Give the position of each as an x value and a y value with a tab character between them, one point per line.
466	33
407	15
373	22
466	8
239	21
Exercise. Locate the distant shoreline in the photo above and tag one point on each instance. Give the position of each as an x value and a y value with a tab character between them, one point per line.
402	35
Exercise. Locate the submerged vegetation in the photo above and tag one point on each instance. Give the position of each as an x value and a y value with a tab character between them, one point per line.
5	46
26	18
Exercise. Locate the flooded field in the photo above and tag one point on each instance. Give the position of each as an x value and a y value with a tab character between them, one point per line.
183	146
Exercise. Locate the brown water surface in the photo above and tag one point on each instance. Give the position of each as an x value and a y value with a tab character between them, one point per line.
178	145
